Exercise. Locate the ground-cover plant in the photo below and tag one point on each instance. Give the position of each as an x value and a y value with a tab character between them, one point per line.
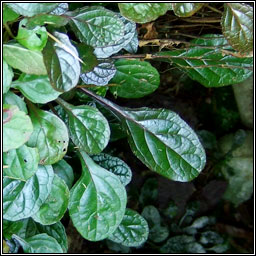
59	61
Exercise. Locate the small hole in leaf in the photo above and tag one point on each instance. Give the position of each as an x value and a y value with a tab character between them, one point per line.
23	26
39	35
25	160
64	149
59	141
64	141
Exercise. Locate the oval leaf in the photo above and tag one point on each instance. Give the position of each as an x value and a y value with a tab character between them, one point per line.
135	79
9	14
62	63
17	127
33	39
132	46
97	26
13	99
237	26
23	199
55	206
165	143
211	67
100	75
132	231
27	61
22	163
31	9
129	32
64	171
41	243
36	88
97	201
143	12
50	135
186	9
7	77
114	165
89	129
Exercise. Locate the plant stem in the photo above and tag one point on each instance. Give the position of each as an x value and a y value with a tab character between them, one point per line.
8	30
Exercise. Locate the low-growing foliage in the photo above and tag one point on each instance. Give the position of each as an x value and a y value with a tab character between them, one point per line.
59	61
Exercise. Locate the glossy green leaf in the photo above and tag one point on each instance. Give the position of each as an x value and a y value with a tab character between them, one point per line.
23	199
134	79
62	63
132	231
50	135
46	19
161	140
87	56
143	12
13	99
36	88
27	61
129	32
114	165
64	171
41	243
33	39
100	75
31	9
97	201
60	9
97	26
88	128
22	162
7	77
9	14
237	26
211	67
133	45
186	9
17	127
56	204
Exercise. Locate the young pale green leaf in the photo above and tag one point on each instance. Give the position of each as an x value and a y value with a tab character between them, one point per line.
134	79
23	199
129	32
186	9
17	127
41	243
46	19
64	171
88	128
237	26
100	75
114	165
7	77
31	9
36	88
132	46
13	99
22	163
97	26
33	39
211	67
132	231
97	201
27	61
9	14
143	12
50	135
55	206
62	63
161	140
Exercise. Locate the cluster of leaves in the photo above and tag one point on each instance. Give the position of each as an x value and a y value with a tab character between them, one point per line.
43	63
